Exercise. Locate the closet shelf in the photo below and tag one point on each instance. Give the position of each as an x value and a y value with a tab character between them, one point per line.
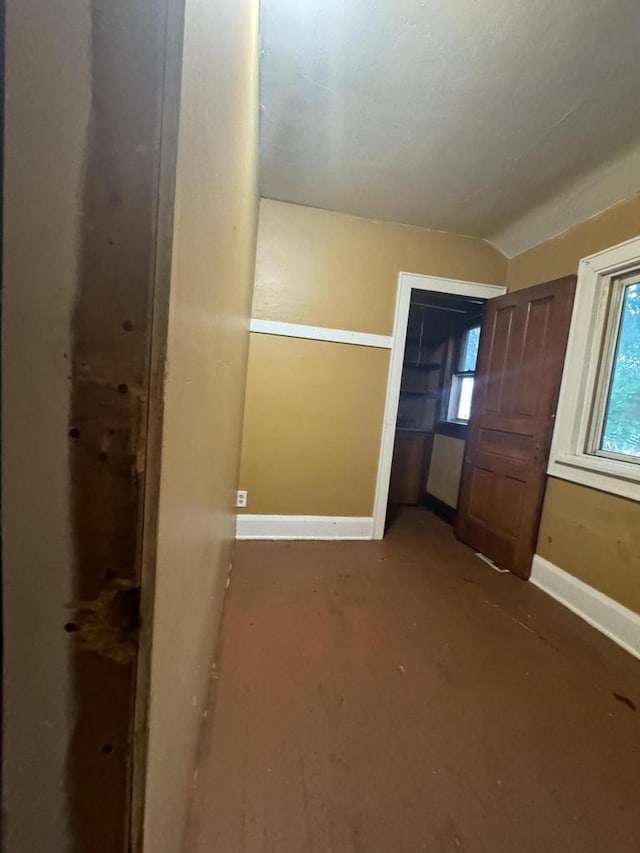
429	366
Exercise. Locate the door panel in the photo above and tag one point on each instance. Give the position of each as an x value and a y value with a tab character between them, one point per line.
479	498
522	346
501	332
535	346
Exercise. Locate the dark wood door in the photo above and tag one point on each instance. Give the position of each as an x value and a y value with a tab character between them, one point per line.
522	347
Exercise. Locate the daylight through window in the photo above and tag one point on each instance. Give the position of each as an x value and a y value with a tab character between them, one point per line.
463	379
620	434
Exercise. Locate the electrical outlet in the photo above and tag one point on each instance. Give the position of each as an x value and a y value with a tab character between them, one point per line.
241	499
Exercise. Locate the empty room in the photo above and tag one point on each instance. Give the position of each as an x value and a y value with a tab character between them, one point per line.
321	426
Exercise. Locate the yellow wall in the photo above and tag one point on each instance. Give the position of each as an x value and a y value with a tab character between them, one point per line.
314	410
593	536
590	534
321	268
210	299
445	469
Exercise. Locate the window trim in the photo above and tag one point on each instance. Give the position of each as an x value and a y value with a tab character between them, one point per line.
611	336
581	388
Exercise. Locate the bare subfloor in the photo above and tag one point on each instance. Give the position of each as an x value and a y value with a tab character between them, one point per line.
402	696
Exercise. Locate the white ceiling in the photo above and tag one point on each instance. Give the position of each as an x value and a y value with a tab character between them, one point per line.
506	119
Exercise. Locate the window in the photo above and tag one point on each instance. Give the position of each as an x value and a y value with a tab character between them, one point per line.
619	433
597	436
462	380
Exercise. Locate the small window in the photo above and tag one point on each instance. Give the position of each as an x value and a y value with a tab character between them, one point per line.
596	441
462	380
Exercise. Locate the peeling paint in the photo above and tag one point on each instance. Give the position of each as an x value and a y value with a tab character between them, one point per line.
110	369
108	625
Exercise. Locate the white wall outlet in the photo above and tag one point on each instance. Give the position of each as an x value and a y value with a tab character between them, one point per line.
241	499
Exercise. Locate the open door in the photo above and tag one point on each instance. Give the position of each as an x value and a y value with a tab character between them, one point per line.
522	346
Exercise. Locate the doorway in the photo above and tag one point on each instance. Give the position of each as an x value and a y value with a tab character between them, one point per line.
438	375
424	407
520	357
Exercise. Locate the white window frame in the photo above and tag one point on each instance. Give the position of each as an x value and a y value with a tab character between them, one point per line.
584	388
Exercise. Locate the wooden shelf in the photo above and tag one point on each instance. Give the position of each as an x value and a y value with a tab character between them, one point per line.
429	366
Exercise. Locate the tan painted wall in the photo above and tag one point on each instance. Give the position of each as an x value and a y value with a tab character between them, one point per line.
445	469
591	534
47	111
211	289
327	269
318	406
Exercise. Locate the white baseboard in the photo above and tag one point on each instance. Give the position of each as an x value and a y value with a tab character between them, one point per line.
615	621
303	527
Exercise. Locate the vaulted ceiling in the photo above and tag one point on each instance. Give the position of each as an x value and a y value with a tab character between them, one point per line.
505	119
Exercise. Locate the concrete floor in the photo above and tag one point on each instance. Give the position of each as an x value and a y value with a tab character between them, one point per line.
402	696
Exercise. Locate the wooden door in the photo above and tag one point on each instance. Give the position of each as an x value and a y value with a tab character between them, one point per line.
522	347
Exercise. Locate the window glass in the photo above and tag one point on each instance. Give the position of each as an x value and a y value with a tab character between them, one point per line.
469	353
621	428
460	397
461	388
464	398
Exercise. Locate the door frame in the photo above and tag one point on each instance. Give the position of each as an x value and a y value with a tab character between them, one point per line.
406	283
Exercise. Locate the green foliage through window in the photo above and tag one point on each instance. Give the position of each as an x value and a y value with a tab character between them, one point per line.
621	430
